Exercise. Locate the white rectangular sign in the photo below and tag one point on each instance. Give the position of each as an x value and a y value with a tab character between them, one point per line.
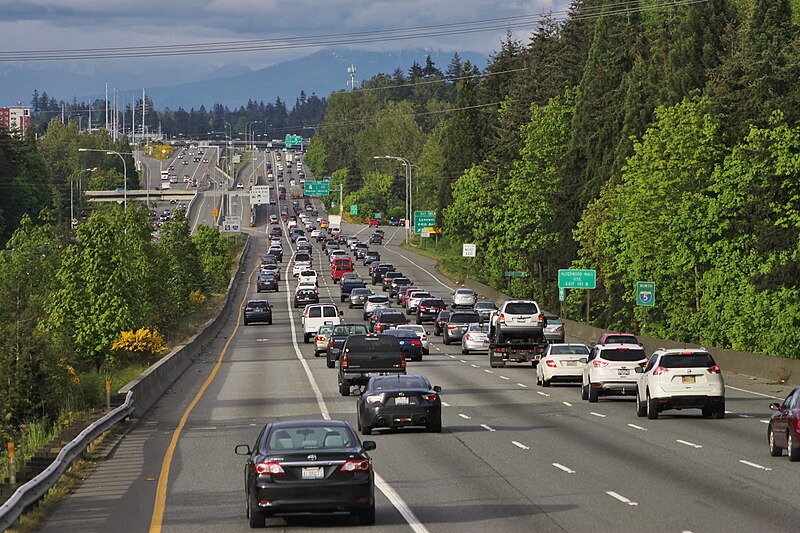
259	195
468	250
231	224
426	232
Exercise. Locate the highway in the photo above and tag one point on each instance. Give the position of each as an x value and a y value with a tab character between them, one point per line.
512	456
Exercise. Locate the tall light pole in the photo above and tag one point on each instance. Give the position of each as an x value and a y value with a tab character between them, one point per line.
72	220
251	132
124	170
407	165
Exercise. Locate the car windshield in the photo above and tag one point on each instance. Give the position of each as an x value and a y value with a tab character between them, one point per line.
463	318
306	438
400	382
622	354
521	308
350	329
464	292
570	349
692	360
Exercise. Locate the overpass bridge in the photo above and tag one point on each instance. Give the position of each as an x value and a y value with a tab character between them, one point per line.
119	195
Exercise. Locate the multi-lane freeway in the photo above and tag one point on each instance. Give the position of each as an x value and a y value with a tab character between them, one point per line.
512	456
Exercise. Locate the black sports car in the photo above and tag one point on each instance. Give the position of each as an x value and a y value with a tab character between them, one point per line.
399	401
308	466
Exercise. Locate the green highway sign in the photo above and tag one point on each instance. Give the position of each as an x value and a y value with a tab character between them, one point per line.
353	209
646	293
293	141
423	219
577	279
514	274
317	188
377	216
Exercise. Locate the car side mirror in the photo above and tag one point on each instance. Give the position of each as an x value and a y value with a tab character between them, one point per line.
369	445
243	449
584	360
437	388
774	406
639	370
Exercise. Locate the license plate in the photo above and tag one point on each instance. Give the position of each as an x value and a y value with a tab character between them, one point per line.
571	363
313	473
624	372
401	400
688	379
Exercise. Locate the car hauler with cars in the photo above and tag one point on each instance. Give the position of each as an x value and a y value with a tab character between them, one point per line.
516	333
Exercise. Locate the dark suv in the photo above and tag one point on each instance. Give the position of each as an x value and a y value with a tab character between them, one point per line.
429	308
457	325
257	311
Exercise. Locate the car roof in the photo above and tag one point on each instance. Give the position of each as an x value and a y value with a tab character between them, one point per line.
617	346
281	424
404	381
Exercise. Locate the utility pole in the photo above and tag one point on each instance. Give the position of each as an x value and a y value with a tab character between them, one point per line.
352	71
106	124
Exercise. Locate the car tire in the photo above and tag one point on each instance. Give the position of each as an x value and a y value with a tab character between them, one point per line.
349	306
792	450
464	351
419	357
246	323
257	519
306	338
545	382
366	517
344	387
366	430
435	428
652	408
774	449
418	321
641	408
584	392
270	322
707	411
593	393
316	353
538	379
719	411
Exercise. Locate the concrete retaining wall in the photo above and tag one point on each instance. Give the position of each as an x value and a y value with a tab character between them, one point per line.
149	386
777	369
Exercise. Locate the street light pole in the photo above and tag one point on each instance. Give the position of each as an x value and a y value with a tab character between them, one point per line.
407	165
124	170
71	187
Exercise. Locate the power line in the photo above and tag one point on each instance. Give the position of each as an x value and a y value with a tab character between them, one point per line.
627	7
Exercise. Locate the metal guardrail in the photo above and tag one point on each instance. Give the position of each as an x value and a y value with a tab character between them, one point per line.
35	489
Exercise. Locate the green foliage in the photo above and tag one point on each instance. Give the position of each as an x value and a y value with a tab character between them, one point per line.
316	158
375	196
215	257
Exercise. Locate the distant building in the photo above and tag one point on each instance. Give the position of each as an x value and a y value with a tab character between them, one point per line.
15	119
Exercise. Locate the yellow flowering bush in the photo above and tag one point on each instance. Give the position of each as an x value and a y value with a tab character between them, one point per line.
141	344
197	298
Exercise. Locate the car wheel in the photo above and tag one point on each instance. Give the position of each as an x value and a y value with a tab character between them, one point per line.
419	357
341	299
256	518
366	430
306	338
464	351
707	411
349	306
344	387
316	353
364	315
593	393
774	449
331	362
418	321
366	517
435	428
652	407
545	382
584	392
791	449
270	322
538	380
719	411
246	323
641	408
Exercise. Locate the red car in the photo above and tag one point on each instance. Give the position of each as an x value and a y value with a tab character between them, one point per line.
784	427
374	222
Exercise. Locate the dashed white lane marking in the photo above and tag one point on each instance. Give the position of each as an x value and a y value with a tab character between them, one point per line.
564	468
634	426
687	443
488	371
465	417
437	349
754	465
452	357
519	445
524	386
745	416
752	392
597	414
567	404
487	428
463	361
728	412
445	404
540	393
504	377
474	366
620	497
764	421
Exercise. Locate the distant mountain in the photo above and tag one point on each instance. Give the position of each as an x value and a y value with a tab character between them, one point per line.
322	73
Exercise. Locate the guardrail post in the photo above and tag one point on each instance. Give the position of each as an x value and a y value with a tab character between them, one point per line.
108	394
12	465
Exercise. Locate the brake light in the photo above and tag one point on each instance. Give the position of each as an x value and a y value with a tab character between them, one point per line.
660	370
374	398
551	363
540	318
356	465
330	343
599	364
715	369
343	362
319	338
451	326
429	397
468	337
502	318
270	468
416	342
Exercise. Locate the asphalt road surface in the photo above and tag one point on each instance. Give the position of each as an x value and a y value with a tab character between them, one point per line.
512	456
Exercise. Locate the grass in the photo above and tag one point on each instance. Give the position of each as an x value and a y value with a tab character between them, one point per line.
448	256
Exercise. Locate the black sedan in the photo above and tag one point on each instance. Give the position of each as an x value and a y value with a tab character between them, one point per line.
257	311
308	466
306	296
267	282
399	401
440	322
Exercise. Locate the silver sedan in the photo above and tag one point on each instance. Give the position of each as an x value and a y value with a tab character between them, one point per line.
476	338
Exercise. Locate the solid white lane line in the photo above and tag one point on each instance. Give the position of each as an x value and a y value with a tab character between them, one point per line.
399	504
445	404
567	404
687	443
448	287
752	392
504	377
540	393
519	445
754	465
488	371
465	417
620	497
597	414
564	468
745	416
522	385
487	428
634	426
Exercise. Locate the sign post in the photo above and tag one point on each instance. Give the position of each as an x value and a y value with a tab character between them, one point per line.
231	224
423	219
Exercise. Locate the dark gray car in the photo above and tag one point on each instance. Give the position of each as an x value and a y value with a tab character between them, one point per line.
457	324
358	296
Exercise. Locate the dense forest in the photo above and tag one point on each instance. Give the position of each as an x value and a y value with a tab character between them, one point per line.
643	140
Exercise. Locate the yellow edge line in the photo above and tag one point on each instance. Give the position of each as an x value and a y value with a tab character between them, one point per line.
163	477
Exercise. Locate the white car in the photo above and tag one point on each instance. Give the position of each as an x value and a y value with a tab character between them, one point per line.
336	254
301	238
291	224
412	302
273	219
680	379
476	338
315	233
610	370
305	285
464	298
421	333
562	362
316	315
300	266
374	302
308	276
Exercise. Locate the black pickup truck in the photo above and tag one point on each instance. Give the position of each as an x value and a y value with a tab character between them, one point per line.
348	284
338	336
366	355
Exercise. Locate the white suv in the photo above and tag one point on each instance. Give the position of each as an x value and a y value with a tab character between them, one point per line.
680	379
611	369
316	315
519	319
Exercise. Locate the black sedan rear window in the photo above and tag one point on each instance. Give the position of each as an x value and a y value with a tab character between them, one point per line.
392	318
694	360
623	355
380	343
400	382
521	308
464	318
304	438
431	302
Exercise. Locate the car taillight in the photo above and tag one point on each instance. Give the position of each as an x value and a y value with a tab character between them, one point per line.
343	362
540	318
451	326
429	397
374	398
319	338
551	363
599	364
330	343
560	328
502	318
270	468
660	370
468	337
715	369
356	465
416	342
